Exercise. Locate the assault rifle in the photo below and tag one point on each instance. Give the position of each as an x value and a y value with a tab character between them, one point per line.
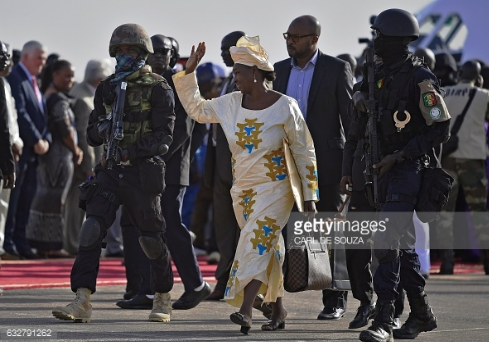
372	155
117	128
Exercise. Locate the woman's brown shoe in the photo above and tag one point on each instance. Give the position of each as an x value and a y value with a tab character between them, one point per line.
273	325
240	319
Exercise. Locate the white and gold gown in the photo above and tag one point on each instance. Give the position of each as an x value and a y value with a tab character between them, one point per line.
261	191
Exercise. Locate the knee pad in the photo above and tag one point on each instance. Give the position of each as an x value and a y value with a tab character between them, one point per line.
152	246
386	255
91	232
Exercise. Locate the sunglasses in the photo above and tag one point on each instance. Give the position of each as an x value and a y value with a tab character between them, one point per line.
162	51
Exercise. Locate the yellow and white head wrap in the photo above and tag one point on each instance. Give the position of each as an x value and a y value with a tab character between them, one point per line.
249	52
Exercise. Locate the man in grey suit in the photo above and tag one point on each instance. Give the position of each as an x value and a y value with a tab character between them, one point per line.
322	85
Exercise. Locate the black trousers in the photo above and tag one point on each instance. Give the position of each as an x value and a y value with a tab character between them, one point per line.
330	201
178	237
121	185
179	244
137	265
402	179
201	216
359	261
226	229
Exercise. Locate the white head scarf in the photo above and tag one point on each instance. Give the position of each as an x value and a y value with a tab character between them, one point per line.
249	52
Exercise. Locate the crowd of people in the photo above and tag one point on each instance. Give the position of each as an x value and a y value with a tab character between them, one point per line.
72	170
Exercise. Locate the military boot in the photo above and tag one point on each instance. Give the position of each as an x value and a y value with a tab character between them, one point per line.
161	308
381	328
80	310
421	318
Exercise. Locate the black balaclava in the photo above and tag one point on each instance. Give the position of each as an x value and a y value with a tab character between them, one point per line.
391	48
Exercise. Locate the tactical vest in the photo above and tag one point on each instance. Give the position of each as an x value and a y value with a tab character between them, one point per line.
393	94
137	107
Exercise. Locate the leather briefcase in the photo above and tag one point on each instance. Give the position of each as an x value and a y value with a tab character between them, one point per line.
307	268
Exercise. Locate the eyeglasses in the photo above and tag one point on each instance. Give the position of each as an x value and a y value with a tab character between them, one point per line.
295	37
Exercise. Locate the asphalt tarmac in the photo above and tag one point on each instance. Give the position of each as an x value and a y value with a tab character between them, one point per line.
459	301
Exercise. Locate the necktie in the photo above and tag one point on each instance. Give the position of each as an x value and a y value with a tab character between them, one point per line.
36	90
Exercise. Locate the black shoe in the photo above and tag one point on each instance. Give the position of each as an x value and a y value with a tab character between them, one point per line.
217	294
331	314
414	325
485	260
190	299
447	261
446	268
139	302
377	333
130	294
10	256
119	254
29	255
364	313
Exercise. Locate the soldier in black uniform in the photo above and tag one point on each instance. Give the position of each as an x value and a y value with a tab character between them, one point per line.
359	257
413	119
134	178
176	180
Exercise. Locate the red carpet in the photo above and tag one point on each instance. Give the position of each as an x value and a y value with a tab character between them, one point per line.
56	273
460	267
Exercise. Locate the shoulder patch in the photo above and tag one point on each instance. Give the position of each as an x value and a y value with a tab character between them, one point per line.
435	113
431	104
429	99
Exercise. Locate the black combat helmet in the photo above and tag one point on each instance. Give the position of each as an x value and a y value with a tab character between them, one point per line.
396	22
445	60
130	34
175	52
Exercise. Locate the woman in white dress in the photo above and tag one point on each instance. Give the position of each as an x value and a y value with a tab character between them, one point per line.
256	120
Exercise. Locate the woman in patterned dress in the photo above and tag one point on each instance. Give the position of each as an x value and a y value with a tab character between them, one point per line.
55	172
255	121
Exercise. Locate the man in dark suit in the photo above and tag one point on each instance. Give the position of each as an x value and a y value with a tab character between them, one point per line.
177	161
32	119
322	85
218	176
